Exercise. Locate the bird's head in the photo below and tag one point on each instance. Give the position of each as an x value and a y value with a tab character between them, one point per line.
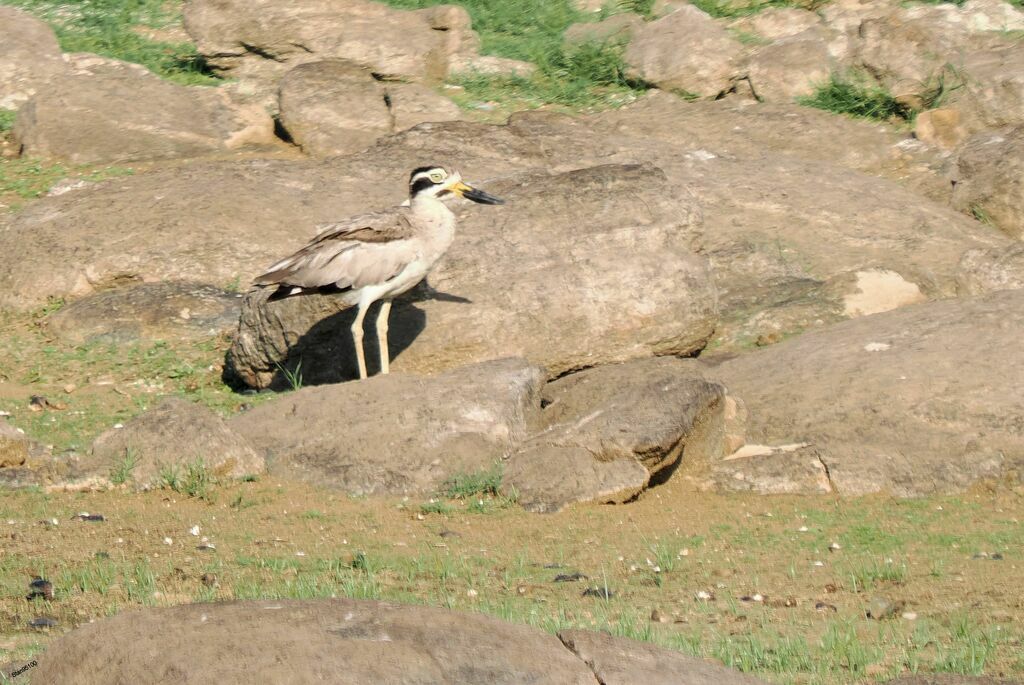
438	182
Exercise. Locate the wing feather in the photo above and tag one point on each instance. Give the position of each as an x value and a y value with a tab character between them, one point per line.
354	253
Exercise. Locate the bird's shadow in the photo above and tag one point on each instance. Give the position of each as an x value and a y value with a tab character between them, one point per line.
326	352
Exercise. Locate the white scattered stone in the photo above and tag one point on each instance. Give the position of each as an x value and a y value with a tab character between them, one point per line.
819	563
168	541
877	347
834	547
119	425
300	554
803	529
471	592
758	597
703	595
194	530
910	615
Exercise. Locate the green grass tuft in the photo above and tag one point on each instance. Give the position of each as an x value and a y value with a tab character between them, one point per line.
122	470
466	485
113	28
843	95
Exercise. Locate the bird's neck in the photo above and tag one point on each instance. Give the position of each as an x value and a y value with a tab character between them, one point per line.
430	205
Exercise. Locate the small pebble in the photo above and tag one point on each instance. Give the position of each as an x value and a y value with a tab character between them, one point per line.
704	595
659	617
194	530
802	529
43	622
70	388
819	563
834	547
880	608
449	534
471	592
822	606
168	541
602	592
210	580
569	577
909	615
206	547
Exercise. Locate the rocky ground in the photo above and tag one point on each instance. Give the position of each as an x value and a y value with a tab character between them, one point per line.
750	254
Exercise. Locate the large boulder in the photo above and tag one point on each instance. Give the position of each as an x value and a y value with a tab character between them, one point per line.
988	180
921	400
685	51
108	111
29	57
349	641
401	434
992	94
790	68
170	437
262	39
581	268
336	107
609	430
776	23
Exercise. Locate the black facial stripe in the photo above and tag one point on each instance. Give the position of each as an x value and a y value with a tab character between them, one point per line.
421	170
419	185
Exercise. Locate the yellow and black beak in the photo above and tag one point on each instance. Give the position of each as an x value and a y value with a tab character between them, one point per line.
475	194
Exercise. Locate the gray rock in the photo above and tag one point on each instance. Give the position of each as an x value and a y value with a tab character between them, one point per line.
925	399
776	23
108	111
400	434
983	271
148	311
616	28
29	57
619	661
790	68
687	51
610	429
262	39
989	179
582	268
340	641
337	107
173	434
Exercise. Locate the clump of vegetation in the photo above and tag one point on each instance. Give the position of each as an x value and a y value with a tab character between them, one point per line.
122	470
195	480
844	95
116	28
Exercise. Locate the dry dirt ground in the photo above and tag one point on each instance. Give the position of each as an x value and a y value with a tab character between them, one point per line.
751	581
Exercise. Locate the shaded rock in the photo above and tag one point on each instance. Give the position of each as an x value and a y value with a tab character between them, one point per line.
601	424
618	27
983	271
686	51
989	179
619	661
172	434
108	111
148	311
929	397
788	69
262	39
595	265
29	57
336	107
336	640
943	128
401	434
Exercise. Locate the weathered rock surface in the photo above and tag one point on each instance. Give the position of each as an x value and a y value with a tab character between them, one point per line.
336	640
619	661
171	435
944	127
14	446
148	311
595	266
989	179
336	107
29	57
789	68
400	434
616	28
262	39
351	641
983	271
687	51
108	111
993	87
776	23
921	400
609	430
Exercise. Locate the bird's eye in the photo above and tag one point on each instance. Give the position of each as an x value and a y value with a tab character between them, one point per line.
437	177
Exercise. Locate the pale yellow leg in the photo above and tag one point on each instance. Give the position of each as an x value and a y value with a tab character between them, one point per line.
357	338
382	336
